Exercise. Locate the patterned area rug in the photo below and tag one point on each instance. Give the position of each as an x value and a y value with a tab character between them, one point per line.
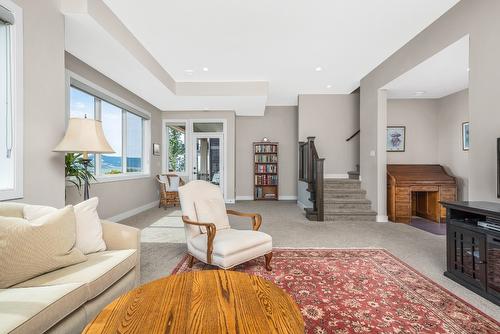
364	291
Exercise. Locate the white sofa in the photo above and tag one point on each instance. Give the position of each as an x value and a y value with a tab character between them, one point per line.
65	300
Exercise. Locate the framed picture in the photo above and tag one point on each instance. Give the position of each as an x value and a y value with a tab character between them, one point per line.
156	149
465	136
396	138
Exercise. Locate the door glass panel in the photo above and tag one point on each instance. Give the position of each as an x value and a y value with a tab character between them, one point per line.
208	127
176	148
208	160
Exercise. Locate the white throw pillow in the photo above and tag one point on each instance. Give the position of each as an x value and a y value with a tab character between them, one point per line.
212	211
174	183
32	248
88	225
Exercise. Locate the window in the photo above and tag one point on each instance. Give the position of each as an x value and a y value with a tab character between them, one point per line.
208	127
176	143
111	116
134	143
125	131
11	153
82	105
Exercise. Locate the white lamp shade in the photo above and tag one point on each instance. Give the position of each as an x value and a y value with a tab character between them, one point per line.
84	135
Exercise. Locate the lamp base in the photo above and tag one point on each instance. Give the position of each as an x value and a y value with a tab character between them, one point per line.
86	185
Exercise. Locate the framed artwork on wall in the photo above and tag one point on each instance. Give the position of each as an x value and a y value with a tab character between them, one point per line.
465	136
156	149
396	138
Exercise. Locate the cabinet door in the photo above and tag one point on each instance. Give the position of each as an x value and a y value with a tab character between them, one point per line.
466	255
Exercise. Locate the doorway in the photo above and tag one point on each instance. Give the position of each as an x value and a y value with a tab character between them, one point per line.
208	162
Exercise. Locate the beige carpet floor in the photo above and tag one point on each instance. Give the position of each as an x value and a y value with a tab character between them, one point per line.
163	241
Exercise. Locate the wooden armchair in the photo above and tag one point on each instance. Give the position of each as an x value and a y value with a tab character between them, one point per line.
168	197
209	236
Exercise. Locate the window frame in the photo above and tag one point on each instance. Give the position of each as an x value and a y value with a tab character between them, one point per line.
17	100
146	128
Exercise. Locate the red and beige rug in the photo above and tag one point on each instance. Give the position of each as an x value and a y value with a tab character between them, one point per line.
364	291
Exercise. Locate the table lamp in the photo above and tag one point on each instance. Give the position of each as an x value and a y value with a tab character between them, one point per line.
84	136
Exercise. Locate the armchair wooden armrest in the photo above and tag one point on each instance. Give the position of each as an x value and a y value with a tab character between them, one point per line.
211	230
256	218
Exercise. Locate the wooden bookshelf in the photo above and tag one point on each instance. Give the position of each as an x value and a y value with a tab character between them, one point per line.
265	168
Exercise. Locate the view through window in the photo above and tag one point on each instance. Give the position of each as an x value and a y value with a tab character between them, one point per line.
176	147
123	129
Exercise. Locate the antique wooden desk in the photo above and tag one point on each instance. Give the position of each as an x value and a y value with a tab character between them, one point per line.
415	190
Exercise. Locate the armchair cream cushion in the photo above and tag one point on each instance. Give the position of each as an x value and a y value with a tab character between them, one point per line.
212	211
203	202
28	249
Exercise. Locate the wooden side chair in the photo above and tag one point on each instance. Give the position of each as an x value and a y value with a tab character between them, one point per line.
169	185
209	235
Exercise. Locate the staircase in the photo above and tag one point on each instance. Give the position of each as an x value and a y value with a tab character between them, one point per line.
344	200
333	199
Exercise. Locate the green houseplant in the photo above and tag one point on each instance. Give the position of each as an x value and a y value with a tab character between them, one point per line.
75	170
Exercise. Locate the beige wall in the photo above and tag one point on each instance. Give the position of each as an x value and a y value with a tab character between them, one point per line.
120	196
420	116
453	111
229	142
331	118
44	102
478	18
279	124
433	134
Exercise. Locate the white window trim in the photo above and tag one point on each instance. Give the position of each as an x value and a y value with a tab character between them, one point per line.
146	133
188	142
17	100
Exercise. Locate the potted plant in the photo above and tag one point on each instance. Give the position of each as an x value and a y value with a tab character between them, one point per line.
75	170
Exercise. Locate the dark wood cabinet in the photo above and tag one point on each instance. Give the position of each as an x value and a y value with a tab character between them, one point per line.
473	250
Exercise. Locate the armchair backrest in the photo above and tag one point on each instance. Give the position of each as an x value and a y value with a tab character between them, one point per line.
192	192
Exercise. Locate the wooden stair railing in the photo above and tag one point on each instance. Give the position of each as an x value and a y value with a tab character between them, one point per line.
311	171
354	135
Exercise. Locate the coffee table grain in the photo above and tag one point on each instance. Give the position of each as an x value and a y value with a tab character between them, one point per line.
212	301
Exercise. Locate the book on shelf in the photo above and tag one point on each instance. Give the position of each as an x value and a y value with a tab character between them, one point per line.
266	148
265	168
265	171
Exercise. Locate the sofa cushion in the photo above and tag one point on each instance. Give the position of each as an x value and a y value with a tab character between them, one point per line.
28	249
8	209
231	241
98	273
36	309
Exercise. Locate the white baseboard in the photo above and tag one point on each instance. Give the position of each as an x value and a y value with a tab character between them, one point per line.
382	219
281	198
133	212
336	176
302	206
287	198
244	198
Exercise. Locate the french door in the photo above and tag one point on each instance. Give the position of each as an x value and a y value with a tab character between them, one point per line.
208	158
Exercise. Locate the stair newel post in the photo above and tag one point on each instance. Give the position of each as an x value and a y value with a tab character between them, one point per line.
319	203
310	162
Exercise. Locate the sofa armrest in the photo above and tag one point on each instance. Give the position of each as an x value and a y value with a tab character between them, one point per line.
118	236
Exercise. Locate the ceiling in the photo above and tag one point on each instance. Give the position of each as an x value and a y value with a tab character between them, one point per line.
445	73
268	51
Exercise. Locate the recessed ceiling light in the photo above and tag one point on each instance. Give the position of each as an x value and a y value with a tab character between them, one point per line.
420	92
328	86
205	69
318	69
189	72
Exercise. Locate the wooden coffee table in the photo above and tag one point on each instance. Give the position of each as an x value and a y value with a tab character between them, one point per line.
212	301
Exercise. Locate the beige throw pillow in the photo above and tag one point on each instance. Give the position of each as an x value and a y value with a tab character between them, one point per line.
29	249
212	211
88	225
